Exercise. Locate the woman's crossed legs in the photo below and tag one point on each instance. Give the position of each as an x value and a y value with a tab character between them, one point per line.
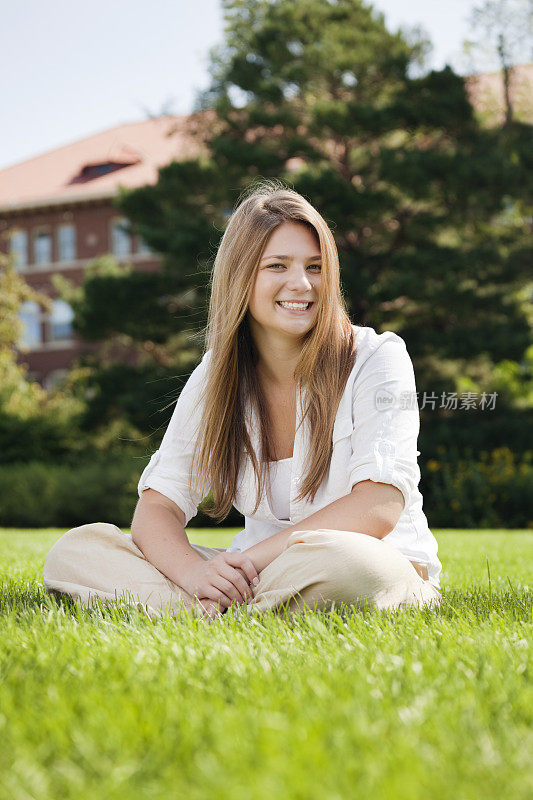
317	570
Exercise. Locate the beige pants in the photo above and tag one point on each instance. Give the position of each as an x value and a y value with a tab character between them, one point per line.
317	570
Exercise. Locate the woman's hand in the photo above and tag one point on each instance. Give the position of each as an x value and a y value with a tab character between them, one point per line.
222	579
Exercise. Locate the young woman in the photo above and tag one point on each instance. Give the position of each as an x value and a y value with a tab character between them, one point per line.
306	423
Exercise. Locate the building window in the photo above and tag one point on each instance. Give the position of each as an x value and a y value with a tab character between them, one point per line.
19	248
66	243
93	171
42	247
121	238
60	326
142	247
54	378
30	316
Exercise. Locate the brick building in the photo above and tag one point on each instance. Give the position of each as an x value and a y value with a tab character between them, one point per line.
56	216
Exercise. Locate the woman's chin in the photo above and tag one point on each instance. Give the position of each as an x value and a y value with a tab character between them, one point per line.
295	327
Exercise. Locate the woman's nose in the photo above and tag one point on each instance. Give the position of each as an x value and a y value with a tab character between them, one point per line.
298	279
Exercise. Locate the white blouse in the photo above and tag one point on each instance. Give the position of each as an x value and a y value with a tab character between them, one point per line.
374	438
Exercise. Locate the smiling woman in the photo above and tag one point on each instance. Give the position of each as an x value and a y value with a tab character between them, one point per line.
284	302
280	419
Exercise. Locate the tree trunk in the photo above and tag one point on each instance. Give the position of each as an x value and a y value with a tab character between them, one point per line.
507	74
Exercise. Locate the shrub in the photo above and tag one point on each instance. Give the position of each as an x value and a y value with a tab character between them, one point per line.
494	491
37	494
71	493
460	491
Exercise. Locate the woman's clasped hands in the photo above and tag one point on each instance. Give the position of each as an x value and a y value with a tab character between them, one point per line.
215	584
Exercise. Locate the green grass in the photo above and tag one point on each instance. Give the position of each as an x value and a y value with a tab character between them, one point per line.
415	703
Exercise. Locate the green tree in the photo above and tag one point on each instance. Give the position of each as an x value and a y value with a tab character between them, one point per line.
18	396
34	424
417	193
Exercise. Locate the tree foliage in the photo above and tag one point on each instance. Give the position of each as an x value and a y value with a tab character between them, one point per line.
431	212
18	396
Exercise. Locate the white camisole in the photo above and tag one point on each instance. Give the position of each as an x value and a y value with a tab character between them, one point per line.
280	487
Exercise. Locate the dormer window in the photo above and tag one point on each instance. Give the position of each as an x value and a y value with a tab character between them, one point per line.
96	170
92	171
118	155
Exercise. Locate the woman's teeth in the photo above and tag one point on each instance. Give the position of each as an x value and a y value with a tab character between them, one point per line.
294	306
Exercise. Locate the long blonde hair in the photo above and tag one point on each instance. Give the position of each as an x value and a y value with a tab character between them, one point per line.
326	360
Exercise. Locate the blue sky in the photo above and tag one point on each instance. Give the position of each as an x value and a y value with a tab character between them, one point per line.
68	70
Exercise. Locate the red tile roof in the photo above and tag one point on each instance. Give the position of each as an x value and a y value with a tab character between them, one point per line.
65	174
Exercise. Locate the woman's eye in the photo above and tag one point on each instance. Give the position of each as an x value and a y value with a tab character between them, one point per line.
311	266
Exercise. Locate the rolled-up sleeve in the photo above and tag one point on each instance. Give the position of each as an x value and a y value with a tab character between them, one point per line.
386	420
169	468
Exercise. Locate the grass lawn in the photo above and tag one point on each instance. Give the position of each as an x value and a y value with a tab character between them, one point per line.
414	703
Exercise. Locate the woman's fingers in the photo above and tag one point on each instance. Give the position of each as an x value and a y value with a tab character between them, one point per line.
245	563
235	586
232	584
218	595
211	592
226	582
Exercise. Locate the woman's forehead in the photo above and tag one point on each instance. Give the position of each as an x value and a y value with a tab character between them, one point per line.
295	240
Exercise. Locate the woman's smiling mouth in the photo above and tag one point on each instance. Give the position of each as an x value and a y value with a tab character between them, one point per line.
294	307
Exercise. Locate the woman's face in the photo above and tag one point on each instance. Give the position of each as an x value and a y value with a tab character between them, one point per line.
289	271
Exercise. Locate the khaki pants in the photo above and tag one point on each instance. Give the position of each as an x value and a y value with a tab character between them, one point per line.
317	570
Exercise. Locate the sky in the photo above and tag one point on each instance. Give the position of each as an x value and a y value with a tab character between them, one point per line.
70	69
